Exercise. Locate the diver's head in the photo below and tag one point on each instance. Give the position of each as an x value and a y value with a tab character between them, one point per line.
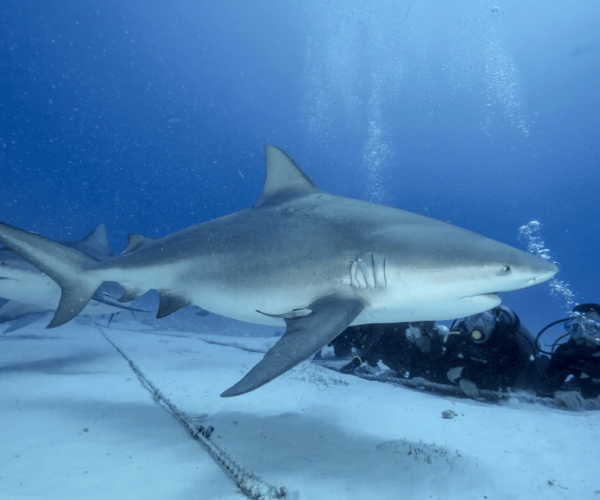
481	326
584	325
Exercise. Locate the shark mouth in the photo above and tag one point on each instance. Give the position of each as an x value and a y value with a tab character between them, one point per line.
493	296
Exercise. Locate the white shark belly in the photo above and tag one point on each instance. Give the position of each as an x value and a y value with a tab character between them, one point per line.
253	305
32	288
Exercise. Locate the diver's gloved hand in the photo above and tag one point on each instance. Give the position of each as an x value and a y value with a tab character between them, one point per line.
442	330
415	335
368	369
571	399
468	387
353	365
454	374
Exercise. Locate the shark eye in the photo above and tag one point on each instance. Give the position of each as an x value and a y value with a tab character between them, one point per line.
507	269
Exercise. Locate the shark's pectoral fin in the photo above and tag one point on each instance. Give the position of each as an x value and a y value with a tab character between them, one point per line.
170	303
304	336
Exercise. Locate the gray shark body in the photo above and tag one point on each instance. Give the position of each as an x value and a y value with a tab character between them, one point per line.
301	258
31	293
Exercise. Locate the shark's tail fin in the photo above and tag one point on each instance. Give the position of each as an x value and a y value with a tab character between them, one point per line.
67	266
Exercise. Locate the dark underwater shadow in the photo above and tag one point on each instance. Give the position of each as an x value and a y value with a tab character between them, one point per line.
58	365
28	336
279	446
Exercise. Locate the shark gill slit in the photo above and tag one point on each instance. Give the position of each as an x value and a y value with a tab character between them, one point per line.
368	272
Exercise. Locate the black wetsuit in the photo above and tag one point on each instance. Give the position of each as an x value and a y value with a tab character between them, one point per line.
387	342
495	364
359	337
577	359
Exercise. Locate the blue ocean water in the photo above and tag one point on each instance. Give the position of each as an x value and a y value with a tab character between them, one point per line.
151	116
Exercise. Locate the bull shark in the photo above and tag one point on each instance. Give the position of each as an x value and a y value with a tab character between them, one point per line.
31	293
302	258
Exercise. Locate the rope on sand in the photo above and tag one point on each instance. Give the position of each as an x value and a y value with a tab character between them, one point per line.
421	384
416	383
248	483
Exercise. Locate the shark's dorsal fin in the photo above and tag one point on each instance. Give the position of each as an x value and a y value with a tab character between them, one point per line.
135	241
131	294
169	303
284	179
94	244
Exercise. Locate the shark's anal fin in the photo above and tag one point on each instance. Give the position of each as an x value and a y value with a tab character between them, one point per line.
304	336
169	303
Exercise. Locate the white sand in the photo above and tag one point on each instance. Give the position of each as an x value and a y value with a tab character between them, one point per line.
77	423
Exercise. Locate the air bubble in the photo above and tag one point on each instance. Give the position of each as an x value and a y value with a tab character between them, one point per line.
531	235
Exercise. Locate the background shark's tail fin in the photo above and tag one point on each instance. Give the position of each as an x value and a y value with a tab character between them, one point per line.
67	266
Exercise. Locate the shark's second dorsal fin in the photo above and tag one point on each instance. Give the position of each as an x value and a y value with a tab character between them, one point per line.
284	179
135	241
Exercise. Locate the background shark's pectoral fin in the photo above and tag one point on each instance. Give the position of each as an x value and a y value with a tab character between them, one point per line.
170	303
23	322
14	310
304	336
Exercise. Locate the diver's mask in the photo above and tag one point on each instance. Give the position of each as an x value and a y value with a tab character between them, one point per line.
480	326
582	328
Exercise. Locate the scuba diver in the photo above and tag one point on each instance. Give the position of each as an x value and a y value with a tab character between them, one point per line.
354	339
410	349
491	350
573	373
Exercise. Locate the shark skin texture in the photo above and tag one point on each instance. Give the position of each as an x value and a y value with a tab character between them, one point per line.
300	257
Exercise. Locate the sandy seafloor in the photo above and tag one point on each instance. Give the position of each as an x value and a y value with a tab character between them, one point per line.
76	423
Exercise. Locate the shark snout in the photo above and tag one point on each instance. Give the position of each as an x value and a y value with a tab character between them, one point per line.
542	271
545	275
